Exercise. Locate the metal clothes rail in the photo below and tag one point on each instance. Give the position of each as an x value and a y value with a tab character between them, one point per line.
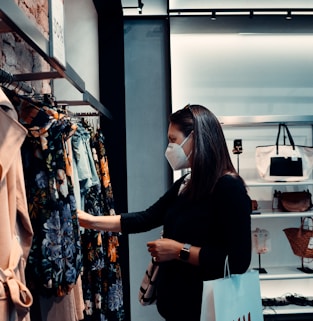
9	81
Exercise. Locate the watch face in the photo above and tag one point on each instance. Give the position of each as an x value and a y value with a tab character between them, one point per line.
184	254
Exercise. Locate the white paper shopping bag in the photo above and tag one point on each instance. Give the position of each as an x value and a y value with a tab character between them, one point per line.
232	298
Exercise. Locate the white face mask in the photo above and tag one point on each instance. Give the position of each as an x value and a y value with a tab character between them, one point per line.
176	155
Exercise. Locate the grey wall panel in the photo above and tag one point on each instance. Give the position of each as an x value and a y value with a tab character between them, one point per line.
147	108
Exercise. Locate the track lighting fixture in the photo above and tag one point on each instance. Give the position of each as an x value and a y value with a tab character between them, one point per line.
288	16
250	12
140	6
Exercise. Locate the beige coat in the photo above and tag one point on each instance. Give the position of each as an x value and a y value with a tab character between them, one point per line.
15	227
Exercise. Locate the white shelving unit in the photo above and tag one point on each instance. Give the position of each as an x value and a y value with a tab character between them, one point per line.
282	275
261	183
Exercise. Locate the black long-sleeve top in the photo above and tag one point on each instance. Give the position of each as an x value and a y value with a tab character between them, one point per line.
220	225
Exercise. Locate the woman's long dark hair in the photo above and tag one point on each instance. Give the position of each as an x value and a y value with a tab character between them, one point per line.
210	155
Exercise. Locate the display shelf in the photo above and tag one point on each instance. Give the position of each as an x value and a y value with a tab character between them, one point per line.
269	213
262	183
285	278
265	120
284	272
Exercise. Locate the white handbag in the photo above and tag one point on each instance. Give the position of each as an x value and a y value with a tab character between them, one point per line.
285	163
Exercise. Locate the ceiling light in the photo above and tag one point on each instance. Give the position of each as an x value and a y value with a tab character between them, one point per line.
288	17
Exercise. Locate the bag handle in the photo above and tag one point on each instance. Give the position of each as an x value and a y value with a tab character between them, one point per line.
226	268
289	137
303	220
302	229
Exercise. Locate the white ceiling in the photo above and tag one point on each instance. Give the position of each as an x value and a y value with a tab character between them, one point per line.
200	4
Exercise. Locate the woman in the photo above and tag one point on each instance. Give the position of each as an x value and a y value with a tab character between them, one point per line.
205	215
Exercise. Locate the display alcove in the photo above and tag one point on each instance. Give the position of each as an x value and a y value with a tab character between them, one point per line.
283	277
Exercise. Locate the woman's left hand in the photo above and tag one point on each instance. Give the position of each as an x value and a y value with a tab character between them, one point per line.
164	249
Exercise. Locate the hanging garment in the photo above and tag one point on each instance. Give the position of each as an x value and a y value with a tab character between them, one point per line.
29	114
112	276
15	229
55	261
39	119
102	278
85	167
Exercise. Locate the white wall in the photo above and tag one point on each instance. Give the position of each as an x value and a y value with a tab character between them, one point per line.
81	49
243	73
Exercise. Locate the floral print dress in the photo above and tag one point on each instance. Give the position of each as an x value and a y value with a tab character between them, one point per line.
101	278
55	259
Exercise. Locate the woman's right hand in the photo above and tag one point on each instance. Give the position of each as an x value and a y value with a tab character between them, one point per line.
85	219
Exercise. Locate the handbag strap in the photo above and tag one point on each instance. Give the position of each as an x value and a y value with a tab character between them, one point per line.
291	141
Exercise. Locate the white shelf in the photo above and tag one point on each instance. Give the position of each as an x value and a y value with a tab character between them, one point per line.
261	183
268	213
265	120
284	272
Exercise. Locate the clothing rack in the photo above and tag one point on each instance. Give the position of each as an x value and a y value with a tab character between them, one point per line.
8	80
90	114
93	118
14	83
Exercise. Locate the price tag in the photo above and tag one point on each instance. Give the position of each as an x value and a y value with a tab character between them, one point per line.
310	244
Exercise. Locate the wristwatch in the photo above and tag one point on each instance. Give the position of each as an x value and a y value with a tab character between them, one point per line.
185	252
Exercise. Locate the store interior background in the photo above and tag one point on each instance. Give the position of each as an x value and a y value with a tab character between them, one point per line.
234	65
154	63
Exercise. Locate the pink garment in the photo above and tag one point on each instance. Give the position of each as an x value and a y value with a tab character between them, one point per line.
15	228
